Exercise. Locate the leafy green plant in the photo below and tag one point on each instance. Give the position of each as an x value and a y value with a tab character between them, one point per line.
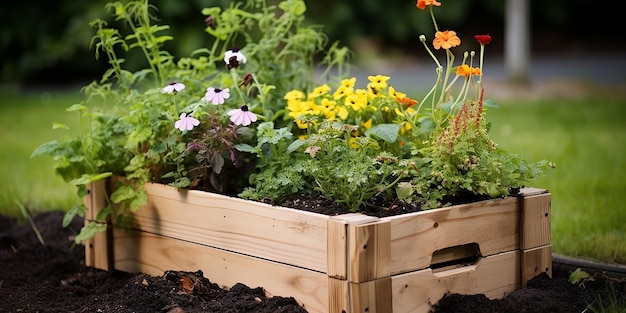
246	117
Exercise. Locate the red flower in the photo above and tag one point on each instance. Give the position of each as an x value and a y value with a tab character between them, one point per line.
483	39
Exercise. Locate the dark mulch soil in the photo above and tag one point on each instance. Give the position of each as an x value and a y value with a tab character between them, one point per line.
51	277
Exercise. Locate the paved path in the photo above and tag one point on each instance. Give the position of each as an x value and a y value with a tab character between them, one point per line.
549	75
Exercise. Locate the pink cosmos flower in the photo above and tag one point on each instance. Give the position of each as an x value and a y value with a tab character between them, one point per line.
186	122
173	87
242	116
216	95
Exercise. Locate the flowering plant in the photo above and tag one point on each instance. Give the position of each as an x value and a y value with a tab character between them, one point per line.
251	122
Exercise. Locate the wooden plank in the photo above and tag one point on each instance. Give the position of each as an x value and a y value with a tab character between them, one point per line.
492	224
338	296
494	275
535	261
99	249
369	253
147	253
372	296
284	235
535	221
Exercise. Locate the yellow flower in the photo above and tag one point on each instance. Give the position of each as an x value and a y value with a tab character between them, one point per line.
446	40
342	112
348	82
343	91
319	91
396	94
356	101
377	82
367	124
294	95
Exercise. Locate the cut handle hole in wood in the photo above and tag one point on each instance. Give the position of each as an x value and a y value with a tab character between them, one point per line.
455	257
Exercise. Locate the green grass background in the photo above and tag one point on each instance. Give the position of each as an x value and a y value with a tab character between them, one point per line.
584	137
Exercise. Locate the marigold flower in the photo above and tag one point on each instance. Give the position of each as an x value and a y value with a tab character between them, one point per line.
186	122
422	4
446	40
173	87
242	116
483	39
216	95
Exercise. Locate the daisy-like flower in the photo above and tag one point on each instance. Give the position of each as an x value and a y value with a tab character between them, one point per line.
242	116
186	122
446	39
234	57
422	4
216	95
173	87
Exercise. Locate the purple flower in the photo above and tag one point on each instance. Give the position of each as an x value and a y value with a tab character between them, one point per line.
242	116
215	95
173	87
186	122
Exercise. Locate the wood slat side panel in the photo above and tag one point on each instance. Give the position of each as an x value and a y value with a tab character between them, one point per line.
369	253
283	235
535	261
136	251
535	221
98	250
495	276
492	224
372	296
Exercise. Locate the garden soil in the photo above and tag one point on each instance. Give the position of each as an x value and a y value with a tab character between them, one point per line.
51	277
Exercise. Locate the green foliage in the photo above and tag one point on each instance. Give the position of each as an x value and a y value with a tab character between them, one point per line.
133	128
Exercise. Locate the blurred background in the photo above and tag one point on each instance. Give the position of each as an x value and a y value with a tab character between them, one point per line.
566	103
48	42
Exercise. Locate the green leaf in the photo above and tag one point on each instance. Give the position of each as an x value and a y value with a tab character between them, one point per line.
59	126
77	107
244	147
490	103
124	192
386	132
47	148
89	231
89	178
78	209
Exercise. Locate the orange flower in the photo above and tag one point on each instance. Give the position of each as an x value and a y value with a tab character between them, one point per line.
465	71
422	4
446	39
406	101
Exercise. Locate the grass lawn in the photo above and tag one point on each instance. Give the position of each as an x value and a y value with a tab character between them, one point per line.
587	141
25	123
585	138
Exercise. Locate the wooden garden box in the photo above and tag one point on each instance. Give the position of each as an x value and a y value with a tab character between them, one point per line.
346	263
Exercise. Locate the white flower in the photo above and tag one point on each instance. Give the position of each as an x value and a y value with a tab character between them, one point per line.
242	116
186	122
173	87
238	56
215	95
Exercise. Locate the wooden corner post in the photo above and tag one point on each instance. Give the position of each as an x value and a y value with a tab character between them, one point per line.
99	249
359	258
536	250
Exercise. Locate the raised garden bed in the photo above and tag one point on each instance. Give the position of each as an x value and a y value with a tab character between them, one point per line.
345	263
